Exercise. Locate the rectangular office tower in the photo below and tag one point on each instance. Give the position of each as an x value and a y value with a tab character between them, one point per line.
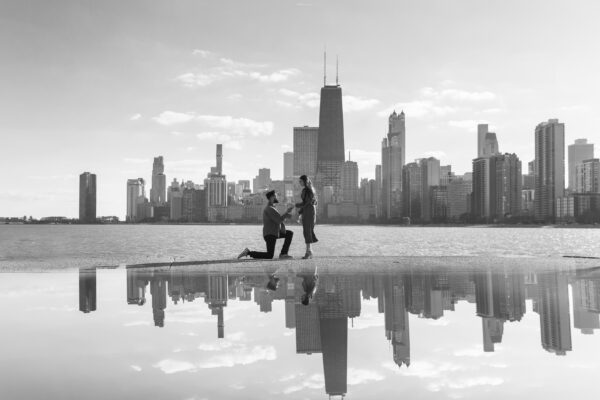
392	160
305	151
330	147
549	168
578	152
159	182
288	166
87	198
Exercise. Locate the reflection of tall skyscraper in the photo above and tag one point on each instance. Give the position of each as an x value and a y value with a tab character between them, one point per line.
158	290
333	326
87	290
87	198
553	307
585	306
396	320
549	168
492	332
216	297
136	287
159	182
330	148
308	332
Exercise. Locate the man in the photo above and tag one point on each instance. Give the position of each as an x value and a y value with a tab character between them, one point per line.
273	229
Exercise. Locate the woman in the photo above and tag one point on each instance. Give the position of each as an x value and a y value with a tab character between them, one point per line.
308	210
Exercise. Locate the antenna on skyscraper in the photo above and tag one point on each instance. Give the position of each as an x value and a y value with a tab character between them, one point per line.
325	67
337	59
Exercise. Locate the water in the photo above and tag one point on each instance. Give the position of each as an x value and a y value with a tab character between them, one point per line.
35	247
509	318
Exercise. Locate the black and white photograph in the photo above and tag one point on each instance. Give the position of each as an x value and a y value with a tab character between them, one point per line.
299	199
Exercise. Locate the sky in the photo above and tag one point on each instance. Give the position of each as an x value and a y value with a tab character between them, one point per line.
106	86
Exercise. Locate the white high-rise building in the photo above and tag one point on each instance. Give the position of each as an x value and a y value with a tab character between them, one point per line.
578	152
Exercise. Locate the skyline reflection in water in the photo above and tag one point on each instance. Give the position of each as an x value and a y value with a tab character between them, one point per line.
321	327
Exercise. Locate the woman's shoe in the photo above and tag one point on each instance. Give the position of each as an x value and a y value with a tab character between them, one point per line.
308	255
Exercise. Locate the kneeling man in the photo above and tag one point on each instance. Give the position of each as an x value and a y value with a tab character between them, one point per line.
273	229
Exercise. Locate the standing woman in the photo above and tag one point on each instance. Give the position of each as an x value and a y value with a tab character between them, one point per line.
308	210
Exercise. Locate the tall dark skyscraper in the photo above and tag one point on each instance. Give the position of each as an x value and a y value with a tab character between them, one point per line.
158	191
87	290
330	147
87	198
549	168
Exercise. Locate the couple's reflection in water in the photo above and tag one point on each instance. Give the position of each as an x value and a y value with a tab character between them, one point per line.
319	303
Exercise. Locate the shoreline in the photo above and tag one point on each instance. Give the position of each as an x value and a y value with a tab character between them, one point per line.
545	226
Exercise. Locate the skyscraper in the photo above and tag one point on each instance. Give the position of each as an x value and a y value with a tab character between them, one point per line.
262	181
392	160
288	166
330	147
430	176
487	143
87	198
549	168
411	191
159	182
587	176
215	184
508	186
136	195
350	181
578	151
306	140
483	188
87	290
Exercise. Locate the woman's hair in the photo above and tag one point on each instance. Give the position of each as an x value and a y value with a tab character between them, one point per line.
307	182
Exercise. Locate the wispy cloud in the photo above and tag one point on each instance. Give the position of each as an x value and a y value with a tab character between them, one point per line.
433	103
135	117
216	68
239	127
354	103
310	100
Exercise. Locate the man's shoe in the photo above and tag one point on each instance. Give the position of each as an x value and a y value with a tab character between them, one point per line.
285	257
244	253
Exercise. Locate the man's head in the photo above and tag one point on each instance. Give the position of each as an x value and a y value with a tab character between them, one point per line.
273	283
272	197
305	299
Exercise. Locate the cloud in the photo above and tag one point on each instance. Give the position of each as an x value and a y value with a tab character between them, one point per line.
424	369
465	383
433	103
238	127
315	381
136	368
435	153
192	80
202	53
310	100
135	117
173	366
213	70
171	118
240	356
353	103
419	109
129	160
457	94
474	351
360	376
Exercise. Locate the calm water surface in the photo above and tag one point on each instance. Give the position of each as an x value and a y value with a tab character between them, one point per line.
492	331
183	333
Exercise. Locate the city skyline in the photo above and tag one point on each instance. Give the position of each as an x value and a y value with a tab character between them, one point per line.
204	87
